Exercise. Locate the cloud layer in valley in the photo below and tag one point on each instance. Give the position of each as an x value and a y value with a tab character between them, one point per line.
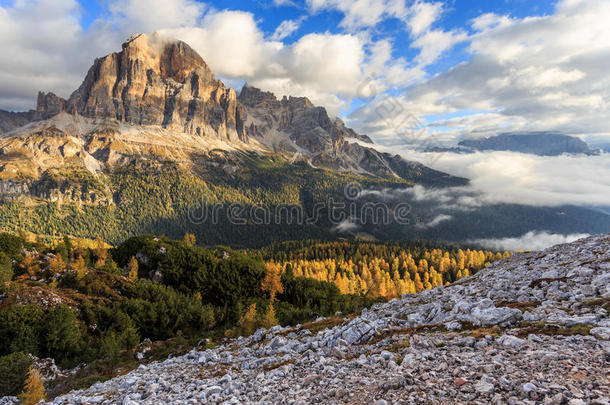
517	178
529	241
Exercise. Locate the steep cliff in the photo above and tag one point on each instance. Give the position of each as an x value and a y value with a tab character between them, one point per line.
154	81
293	123
48	105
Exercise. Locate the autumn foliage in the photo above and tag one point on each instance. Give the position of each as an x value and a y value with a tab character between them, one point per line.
33	390
382	270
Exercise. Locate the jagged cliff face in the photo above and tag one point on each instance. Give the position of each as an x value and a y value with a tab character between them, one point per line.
48	105
10	120
157	82
293	123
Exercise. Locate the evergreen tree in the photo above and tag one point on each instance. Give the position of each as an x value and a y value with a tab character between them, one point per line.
189	239
248	320
272	283
30	264
270	319
100	252
57	264
6	268
78	266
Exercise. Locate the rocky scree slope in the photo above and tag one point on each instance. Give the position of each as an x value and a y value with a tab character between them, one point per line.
530	329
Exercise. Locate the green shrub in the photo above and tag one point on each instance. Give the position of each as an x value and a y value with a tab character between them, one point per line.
110	347
14	370
159	311
20	329
6	268
221	281
10	244
319	296
62	336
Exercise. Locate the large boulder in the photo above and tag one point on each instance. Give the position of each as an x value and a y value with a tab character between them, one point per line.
485	313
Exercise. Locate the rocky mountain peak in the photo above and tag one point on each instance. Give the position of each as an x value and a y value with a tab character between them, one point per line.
299	102
49	105
170	58
156	81
253	97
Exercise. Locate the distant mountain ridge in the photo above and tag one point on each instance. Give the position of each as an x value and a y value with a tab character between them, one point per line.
537	143
48	105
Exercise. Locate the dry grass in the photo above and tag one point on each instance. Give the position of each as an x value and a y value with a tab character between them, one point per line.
273	366
542	328
522	306
407	331
599	302
399	347
482	332
326	323
536	283
212	372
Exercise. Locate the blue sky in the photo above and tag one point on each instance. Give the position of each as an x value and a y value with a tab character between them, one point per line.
457	15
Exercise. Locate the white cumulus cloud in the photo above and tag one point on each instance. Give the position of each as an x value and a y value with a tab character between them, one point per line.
286	29
44	48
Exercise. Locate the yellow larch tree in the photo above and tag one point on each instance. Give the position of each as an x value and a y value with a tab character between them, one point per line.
33	391
132	269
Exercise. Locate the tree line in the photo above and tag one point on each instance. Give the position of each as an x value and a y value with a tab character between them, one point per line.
376	269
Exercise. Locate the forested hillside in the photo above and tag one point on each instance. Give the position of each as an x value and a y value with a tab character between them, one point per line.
167	200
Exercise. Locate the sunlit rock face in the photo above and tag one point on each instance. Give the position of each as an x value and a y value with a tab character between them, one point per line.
154	81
